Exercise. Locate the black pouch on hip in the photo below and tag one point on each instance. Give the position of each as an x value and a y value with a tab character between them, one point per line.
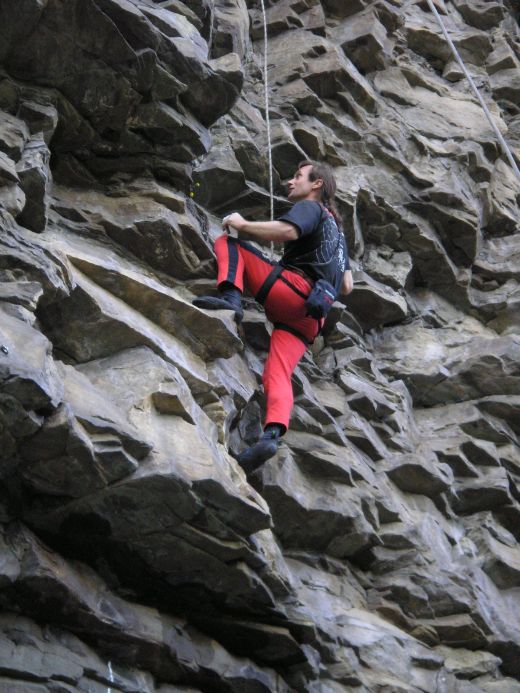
320	299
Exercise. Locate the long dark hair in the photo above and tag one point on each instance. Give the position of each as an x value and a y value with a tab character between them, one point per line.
328	190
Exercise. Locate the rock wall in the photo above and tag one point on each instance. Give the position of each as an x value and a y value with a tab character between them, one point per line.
379	551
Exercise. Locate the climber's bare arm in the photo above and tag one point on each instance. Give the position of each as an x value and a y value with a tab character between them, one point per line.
262	230
348	283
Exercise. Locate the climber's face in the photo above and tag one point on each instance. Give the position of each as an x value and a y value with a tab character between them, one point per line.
300	187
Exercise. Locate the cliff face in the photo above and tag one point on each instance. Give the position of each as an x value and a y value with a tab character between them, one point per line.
379	551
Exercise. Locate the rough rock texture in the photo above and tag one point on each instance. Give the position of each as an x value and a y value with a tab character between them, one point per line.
380	549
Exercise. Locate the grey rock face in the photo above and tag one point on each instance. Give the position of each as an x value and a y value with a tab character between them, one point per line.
379	549
34	176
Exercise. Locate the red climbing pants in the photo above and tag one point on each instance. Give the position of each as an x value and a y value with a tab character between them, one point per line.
293	330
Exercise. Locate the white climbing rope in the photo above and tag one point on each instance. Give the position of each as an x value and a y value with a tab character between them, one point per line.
268	119
110	676
476	91
211	23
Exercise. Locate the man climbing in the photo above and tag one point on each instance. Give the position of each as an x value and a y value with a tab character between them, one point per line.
314	249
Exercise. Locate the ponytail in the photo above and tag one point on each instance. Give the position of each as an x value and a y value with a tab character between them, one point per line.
331	206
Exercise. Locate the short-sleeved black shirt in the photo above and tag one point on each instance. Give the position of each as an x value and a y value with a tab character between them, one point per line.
320	250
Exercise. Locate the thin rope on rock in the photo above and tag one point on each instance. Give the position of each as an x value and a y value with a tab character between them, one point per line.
211	20
268	120
476	91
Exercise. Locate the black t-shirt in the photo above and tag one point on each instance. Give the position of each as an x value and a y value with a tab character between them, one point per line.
320	250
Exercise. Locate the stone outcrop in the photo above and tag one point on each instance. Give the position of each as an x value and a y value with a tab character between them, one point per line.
380	549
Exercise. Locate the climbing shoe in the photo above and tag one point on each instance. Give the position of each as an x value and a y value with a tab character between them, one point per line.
229	298
253	457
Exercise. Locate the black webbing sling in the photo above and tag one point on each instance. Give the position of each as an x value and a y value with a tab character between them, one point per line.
264	290
291	330
268	284
266	287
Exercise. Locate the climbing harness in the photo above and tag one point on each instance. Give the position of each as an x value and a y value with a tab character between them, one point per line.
458	58
268	284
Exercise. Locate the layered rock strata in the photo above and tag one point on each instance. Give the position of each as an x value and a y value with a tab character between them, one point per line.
379	551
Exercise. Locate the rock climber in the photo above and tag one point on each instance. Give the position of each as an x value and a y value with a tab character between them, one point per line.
314	249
